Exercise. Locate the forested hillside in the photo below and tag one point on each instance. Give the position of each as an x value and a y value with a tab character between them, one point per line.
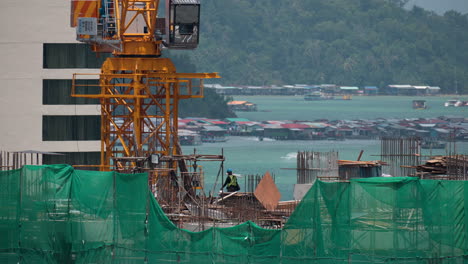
345	42
439	6
212	105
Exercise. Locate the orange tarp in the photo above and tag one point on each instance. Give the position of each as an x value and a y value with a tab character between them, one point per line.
83	8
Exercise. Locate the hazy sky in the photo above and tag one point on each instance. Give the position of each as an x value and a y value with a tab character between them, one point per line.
441	6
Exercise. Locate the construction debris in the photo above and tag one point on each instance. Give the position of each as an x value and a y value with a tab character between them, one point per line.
435	166
229	209
453	167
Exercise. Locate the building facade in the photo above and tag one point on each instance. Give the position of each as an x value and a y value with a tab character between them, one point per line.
39	56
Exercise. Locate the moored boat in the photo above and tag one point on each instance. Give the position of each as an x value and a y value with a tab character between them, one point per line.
454	103
317	96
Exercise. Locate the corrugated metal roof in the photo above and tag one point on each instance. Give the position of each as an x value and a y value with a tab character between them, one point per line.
276	122
213	128
298	126
349	88
273	126
219	122
427	125
186	132
419	130
441	130
401	86
248	123
237	102
186	2
316	125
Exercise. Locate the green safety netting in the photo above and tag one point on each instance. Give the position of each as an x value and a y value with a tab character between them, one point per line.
55	214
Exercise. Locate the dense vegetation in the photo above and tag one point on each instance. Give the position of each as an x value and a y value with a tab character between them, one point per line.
211	105
345	42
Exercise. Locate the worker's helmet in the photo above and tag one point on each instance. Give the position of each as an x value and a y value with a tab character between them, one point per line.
229	171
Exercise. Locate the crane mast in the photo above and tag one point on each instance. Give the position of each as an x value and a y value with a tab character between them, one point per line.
139	91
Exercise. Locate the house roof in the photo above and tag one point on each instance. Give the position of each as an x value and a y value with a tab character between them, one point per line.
186	132
213	128
275	122
186	1
186	120
245	122
316	124
441	130
272	126
401	86
295	125
349	88
427	125
219	122
237	102
204	120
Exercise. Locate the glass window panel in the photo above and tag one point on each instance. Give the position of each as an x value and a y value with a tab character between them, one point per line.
71	55
187	14
73	158
58	92
65	128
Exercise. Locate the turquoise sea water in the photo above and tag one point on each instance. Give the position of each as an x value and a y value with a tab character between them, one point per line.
360	107
248	155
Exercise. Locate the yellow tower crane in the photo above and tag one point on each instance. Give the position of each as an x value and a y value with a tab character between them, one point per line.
139	91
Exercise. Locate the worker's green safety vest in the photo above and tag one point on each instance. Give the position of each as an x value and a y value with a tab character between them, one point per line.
233	181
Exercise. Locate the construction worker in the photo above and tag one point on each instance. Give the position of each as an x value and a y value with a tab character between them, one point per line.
231	182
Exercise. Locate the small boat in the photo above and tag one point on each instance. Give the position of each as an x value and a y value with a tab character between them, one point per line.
453	103
317	96
419	104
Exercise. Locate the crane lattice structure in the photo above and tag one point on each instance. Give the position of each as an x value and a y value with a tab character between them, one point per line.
139	91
